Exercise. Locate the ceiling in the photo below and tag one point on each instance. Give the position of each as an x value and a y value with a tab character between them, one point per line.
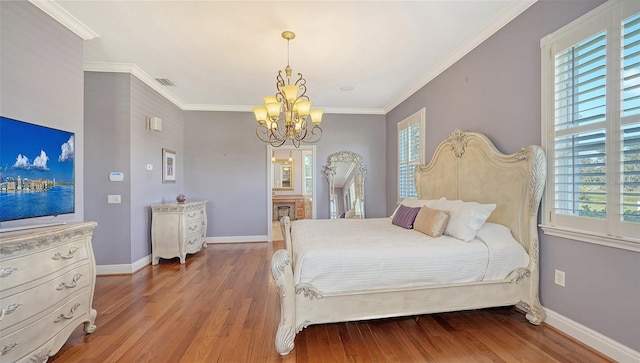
224	55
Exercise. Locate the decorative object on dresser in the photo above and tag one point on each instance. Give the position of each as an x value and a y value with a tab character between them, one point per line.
181	198
177	229
47	280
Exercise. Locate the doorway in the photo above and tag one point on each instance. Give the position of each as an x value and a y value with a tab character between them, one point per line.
304	178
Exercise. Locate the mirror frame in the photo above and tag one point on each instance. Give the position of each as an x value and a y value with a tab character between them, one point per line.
291	175
330	172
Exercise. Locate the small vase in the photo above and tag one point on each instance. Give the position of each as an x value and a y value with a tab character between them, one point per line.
181	198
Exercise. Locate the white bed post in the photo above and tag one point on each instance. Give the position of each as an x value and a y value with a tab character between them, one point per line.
282	272
538	177
285	228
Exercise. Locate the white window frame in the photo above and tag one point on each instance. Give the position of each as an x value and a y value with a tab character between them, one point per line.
610	231
418	117
306	177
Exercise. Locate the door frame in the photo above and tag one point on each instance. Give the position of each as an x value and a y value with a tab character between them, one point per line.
314	203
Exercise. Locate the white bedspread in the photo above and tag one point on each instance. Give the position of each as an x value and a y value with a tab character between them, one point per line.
372	254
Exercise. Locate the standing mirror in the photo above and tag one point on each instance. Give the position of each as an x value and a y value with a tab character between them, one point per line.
345	173
282	174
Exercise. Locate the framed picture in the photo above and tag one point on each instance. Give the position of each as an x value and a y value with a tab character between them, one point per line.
168	166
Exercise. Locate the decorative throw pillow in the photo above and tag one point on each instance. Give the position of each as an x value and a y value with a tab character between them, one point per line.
405	216
413	203
466	218
431	222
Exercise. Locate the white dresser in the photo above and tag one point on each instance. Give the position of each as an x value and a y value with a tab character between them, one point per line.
47	280
177	229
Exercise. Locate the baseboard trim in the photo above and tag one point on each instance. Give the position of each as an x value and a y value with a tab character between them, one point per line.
238	239
123	269
592	338
128	269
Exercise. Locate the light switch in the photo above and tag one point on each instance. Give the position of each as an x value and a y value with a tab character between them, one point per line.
149	167
114	199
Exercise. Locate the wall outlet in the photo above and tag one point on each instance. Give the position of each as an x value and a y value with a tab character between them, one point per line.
114	199
559	278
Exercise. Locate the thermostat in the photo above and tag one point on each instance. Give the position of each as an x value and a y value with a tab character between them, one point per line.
116	176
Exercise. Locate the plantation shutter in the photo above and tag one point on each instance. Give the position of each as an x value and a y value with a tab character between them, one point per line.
591	120
580	129
630	116
410	136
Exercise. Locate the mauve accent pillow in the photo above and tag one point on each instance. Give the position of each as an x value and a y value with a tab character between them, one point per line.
405	216
431	222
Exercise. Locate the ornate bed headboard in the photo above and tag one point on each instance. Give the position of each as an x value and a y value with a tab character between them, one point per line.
467	166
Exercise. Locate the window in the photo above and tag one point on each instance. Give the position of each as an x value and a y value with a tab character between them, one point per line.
410	151
591	120
307	186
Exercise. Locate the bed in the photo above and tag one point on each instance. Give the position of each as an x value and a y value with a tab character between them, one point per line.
321	275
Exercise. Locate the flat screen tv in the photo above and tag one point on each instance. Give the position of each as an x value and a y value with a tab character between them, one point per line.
36	171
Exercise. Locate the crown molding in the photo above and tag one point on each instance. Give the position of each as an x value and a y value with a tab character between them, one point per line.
503	19
245	108
151	82
63	17
138	73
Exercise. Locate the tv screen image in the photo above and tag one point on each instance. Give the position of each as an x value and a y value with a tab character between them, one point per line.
36	170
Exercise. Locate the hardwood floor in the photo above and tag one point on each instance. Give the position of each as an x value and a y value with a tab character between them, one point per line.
221	306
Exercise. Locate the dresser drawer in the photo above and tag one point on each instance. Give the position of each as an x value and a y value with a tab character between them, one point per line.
194	228
29	303
194	244
22	269
193	216
24	341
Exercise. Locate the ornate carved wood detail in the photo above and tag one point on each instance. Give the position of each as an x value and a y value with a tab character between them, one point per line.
42	356
457	140
39	240
279	262
518	275
284	338
178	207
309	291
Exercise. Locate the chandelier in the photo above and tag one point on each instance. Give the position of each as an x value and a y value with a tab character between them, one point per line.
286	115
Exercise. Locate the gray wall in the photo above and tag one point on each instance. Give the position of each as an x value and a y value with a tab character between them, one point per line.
107	105
146	148
116	107
226	164
41	82
495	89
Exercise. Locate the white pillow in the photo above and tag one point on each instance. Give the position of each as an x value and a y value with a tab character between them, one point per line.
466	217
415	203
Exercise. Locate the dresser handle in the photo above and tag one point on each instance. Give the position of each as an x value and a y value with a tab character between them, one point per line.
4	272
69	255
74	283
190	242
191	215
72	311
7	348
193	228
8	310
